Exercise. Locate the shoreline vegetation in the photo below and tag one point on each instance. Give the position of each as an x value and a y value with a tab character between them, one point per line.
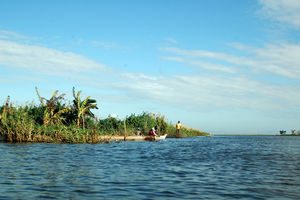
55	121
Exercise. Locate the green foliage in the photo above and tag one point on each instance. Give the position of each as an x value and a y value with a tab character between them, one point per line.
143	121
17	125
83	108
110	125
37	113
55	121
52	108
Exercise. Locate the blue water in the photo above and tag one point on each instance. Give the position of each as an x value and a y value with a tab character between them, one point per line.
229	167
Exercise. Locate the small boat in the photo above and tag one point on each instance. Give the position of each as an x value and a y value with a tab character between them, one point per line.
134	138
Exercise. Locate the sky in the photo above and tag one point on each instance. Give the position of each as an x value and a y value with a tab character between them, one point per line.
225	67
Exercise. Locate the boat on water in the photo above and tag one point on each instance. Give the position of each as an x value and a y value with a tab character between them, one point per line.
133	138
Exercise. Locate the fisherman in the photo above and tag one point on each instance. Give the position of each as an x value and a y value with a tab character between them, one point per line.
178	127
153	131
138	132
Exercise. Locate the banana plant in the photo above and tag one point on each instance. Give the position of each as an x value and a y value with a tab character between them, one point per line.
52	109
83	107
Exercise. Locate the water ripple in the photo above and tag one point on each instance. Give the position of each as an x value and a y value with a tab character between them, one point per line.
190	168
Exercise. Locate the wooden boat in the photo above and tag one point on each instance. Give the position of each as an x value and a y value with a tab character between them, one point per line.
134	138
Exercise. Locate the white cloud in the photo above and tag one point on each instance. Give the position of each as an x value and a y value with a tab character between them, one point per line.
200	64
11	35
106	45
45	60
198	92
194	91
281	59
172	40
207	54
284	11
173	58
239	88
212	66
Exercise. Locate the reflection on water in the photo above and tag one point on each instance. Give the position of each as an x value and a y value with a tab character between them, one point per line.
190	168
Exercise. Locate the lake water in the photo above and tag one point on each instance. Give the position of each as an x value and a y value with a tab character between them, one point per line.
220	167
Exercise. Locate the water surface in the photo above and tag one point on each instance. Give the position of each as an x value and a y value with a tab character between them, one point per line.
229	167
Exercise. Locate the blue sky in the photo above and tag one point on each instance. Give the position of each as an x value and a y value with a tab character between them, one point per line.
219	66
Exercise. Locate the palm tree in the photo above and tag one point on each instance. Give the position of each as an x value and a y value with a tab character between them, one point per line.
83	107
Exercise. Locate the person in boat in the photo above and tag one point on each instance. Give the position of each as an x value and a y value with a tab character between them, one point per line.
153	131
138	132
178	127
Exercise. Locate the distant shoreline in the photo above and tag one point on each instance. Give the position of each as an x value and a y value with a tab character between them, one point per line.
253	135
244	135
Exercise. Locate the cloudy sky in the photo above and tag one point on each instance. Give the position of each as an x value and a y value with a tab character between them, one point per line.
219	66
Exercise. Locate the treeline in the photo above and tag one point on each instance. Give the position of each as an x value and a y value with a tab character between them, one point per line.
53	120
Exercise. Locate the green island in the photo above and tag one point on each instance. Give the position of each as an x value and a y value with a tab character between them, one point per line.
55	121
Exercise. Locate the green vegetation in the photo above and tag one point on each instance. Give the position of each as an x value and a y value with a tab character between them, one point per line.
58	122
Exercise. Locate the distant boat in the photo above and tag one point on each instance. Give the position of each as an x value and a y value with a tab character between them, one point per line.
133	138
